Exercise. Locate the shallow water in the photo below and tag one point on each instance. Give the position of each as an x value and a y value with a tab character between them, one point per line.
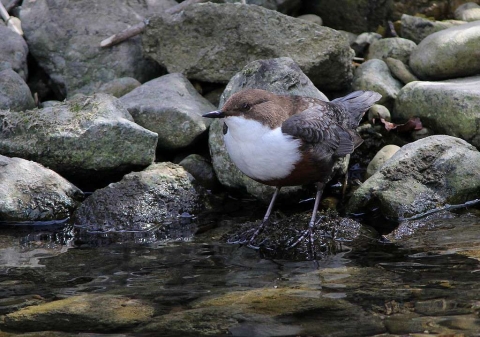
425	284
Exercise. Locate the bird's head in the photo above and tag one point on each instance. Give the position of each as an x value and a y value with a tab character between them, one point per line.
253	104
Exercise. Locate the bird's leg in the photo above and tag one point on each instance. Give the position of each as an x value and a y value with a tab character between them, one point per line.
262	224
311	224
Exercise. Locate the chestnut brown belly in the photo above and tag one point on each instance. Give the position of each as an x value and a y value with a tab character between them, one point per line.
306	171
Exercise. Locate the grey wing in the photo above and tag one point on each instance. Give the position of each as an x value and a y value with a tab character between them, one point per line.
315	128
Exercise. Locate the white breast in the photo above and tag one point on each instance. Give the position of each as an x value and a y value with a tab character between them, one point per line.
258	151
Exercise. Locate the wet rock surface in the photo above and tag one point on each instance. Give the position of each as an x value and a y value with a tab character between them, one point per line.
253	33
141	201
29	191
417	28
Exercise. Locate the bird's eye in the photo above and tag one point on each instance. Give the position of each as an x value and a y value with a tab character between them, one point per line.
246	106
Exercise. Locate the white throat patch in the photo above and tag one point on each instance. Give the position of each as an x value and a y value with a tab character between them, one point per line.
260	152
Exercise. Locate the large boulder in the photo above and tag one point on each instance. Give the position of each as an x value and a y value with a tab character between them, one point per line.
64	37
281	76
31	192
14	92
451	107
421	176
171	107
212	42
142	201
84	137
13	52
449	53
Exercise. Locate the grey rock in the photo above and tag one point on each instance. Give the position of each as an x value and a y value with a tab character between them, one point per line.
353	16
469	11
281	76
31	192
421	176
449	53
141	201
171	107
68	48
380	158
374	75
48	104
14	92
395	47
451	107
84	137
417	28
119	86
422	133
212	42
84	312
201	169
400	70
13	52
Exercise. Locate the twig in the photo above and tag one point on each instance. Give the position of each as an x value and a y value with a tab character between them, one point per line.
447	207
124	34
12	22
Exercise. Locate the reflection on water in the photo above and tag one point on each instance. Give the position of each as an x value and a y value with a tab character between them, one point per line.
361	290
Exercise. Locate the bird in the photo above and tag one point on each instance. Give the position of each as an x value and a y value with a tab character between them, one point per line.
288	140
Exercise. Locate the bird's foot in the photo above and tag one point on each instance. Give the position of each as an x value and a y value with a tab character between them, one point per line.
248	237
308	236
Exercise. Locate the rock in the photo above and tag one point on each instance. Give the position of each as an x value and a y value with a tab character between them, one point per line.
421	176
469	11
400	70
380	158
378	111
141	201
88	137
171	107
449	53
15	94
31	192
266	312
68	48
87	312
13	52
375	75
422	133
194	42
437	10
119	86
201	169
353	16
451	107
363	42
416	28
395	47
311	18
281	76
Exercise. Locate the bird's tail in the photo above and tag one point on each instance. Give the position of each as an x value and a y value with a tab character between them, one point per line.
356	103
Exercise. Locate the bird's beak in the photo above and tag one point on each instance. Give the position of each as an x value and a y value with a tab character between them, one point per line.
214	114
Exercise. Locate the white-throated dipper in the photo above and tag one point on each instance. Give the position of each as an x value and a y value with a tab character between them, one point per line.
291	140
